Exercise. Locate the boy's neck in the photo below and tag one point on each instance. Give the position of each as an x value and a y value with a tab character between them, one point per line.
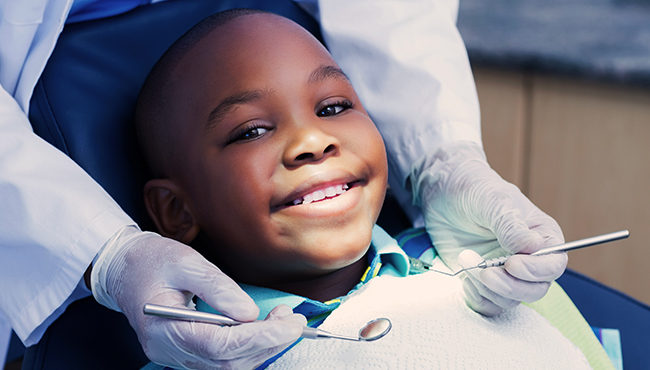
327	287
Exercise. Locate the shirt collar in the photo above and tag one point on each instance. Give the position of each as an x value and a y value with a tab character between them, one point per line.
393	259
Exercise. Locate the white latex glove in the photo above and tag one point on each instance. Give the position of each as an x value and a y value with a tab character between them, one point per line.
467	205
137	268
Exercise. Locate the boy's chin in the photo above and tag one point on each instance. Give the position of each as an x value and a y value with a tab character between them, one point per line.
336	260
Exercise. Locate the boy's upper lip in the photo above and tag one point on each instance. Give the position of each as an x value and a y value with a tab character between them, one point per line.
315	182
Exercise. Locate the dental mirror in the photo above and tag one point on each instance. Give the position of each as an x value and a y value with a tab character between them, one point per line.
373	330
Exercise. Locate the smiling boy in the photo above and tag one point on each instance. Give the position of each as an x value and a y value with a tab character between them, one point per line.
267	164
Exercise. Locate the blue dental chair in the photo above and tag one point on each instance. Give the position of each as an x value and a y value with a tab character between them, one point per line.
83	104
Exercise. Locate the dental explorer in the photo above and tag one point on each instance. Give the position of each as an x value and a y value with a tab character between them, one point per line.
577	244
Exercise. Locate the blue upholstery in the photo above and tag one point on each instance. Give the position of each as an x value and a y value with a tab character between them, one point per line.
87	336
83	105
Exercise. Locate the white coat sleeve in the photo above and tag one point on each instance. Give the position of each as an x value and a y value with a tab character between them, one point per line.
409	66
53	221
53	216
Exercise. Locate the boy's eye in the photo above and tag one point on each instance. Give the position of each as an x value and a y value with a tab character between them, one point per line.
334	108
249	133
253	133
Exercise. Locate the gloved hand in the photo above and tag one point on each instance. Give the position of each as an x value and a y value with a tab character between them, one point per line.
467	205
135	268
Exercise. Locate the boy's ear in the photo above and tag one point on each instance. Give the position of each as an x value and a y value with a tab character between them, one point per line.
169	211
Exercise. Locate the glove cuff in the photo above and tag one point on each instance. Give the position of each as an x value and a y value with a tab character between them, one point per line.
112	249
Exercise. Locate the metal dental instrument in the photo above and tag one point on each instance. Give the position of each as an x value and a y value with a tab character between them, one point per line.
373	330
500	261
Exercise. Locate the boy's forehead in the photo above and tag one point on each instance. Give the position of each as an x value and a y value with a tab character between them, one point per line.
233	57
252	33
248	41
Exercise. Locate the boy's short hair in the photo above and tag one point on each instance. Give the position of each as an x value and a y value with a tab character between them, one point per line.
152	115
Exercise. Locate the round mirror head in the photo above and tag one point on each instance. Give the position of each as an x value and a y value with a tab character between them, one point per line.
375	329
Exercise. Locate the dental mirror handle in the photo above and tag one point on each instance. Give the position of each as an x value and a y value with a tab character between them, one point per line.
213	318
188	315
315	333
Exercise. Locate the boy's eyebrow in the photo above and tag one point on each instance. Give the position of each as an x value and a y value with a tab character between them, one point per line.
324	72
226	104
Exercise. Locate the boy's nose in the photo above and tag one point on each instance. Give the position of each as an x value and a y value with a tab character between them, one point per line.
309	144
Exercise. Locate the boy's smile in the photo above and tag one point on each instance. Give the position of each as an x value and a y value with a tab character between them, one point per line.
327	193
282	169
317	189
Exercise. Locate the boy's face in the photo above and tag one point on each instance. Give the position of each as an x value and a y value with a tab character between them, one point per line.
271	123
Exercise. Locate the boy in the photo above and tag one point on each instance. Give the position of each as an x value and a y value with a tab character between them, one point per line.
256	156
265	161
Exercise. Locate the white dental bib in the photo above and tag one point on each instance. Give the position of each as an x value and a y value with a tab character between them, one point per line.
433	329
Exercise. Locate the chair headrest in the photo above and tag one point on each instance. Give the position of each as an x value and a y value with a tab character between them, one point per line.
84	101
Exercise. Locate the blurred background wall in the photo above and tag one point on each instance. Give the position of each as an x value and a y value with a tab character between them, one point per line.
564	88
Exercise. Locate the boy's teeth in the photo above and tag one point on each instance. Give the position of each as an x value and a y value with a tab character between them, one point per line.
319	195
329	192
